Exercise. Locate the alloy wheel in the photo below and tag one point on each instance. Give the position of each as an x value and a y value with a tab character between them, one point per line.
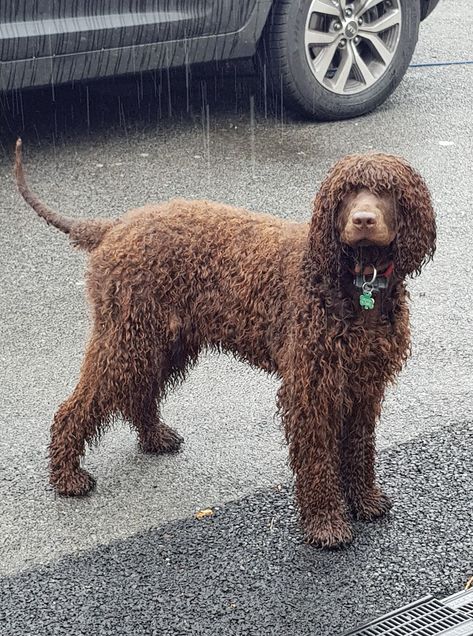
349	45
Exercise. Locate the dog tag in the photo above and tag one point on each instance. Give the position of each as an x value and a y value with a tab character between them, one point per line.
366	300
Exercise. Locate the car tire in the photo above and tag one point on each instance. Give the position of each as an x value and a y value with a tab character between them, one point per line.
286	65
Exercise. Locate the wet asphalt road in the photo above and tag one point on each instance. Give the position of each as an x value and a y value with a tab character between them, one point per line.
115	145
246	570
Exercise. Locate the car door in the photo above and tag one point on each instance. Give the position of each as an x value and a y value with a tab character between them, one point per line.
61	38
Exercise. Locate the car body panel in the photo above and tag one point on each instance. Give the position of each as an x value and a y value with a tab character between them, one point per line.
45	43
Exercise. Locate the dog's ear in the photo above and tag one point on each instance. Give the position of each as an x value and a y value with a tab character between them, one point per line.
415	219
325	247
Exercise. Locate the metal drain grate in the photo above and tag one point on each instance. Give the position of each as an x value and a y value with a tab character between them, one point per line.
463	601
427	617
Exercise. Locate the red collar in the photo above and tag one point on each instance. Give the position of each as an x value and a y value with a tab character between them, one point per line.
386	274
388	271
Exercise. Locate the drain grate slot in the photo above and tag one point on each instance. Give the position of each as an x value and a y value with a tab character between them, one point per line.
427	617
468	609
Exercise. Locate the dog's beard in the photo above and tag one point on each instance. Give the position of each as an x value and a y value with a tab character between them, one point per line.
369	255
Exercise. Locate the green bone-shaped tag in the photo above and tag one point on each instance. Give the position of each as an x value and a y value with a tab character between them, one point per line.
367	300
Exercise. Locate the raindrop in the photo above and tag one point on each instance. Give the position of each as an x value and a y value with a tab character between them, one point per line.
160	95
121	117
208	142
51	57
88	107
155	84
265	89
21	111
205	125
142	90
236	88
282	110
252	138
187	74
168	73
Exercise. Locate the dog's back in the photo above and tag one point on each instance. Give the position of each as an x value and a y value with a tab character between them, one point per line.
221	272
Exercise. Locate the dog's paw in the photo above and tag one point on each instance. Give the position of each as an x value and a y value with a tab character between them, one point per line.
371	505
164	440
73	483
328	530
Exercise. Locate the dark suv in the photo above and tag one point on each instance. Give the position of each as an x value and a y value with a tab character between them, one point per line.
331	59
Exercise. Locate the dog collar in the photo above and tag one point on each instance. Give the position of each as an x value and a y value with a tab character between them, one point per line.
373	286
379	281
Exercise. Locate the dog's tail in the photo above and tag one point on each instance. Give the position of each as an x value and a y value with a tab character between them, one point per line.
85	234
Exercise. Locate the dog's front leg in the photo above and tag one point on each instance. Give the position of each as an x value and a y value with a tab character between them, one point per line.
310	404
365	498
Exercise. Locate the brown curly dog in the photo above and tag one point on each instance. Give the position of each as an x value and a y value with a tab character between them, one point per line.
167	281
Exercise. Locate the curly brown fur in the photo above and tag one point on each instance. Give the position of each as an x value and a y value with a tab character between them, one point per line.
166	281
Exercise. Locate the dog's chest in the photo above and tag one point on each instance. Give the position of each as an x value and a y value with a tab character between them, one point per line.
367	342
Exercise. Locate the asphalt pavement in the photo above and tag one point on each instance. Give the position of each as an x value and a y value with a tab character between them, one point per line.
130	557
246	570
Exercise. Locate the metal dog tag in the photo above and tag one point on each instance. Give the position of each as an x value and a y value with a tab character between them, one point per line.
367	300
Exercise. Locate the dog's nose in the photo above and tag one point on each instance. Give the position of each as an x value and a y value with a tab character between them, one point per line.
364	220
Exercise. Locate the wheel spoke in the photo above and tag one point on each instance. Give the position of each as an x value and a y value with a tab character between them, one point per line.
364	70
383	51
320	37
387	21
369	4
324	6
323	60
340	79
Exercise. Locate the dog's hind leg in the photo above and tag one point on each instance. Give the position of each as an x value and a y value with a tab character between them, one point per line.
156	437
144	414
114	379
168	363
125	370
171	362
79	420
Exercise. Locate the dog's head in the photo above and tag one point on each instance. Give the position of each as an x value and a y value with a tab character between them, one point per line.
372	209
